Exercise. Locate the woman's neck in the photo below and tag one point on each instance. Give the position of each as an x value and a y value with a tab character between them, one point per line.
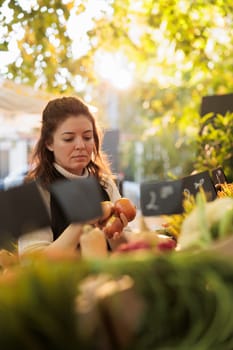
68	174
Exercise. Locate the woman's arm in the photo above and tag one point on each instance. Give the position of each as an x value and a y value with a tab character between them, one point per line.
42	240
68	240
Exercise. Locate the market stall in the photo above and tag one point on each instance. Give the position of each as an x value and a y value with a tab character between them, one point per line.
149	294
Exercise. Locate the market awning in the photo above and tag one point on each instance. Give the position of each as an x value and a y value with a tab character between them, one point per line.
17	98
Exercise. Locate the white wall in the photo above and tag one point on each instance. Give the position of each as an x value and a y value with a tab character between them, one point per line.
18	155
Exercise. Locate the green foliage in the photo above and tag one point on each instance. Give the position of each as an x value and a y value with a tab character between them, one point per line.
162	155
44	48
37	307
176	39
180	51
180	301
215	143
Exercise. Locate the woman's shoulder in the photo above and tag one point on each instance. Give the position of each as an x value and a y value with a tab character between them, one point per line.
107	180
110	185
44	193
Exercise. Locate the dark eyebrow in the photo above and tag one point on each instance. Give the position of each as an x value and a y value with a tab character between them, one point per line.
71	132
67	133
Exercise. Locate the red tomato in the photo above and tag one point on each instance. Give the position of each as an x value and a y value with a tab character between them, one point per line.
107	209
113	225
125	206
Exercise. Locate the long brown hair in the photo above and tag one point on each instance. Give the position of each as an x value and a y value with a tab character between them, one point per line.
55	113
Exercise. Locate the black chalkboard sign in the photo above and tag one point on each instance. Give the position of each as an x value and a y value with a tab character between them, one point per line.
193	183
219	176
215	104
163	197
79	199
220	104
166	197
22	210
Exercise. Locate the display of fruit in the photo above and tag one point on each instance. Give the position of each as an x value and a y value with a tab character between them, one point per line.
148	241
132	246
166	243
181	301
132	301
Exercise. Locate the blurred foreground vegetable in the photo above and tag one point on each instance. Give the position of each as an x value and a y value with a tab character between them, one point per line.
179	301
207	222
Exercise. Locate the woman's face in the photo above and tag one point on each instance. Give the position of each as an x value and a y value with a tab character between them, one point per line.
73	144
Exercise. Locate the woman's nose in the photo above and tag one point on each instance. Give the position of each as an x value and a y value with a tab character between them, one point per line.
79	143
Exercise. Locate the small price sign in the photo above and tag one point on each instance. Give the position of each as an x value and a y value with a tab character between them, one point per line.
161	197
166	197
219	176
193	183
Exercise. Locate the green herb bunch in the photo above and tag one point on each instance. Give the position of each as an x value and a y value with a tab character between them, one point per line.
215	143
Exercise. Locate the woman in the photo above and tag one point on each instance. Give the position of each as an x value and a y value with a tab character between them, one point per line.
69	147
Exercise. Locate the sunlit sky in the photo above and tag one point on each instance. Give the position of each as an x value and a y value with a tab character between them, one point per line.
113	67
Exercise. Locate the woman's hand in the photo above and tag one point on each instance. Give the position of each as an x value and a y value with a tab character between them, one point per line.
69	239
118	235
124	219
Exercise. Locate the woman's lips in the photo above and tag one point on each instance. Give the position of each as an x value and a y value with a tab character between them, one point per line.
80	157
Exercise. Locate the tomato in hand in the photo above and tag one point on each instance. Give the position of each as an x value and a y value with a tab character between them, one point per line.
125	206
